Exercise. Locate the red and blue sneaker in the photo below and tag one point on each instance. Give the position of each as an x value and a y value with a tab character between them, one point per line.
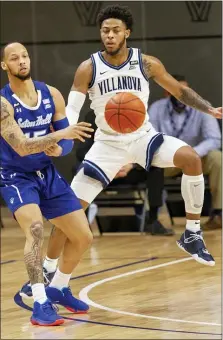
65	298
193	244
45	315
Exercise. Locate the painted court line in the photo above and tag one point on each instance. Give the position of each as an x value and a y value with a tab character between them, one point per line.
9	261
112	268
84	294
19	302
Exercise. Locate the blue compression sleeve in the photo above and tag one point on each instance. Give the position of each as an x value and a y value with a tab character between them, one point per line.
66	145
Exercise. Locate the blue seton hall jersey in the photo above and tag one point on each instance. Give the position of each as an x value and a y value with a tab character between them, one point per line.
34	122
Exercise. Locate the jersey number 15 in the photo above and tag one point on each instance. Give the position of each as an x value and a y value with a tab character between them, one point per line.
34	134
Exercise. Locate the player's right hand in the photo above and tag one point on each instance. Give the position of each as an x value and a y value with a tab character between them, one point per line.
78	131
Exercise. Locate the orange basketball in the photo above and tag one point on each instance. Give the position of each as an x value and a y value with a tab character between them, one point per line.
125	112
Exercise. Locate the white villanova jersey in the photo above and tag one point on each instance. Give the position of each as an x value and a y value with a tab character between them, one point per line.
109	80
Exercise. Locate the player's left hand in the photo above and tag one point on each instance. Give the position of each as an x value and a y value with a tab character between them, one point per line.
216	112
54	151
123	172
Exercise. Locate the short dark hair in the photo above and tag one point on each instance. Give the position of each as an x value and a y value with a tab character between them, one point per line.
122	13
3	51
3	48
179	77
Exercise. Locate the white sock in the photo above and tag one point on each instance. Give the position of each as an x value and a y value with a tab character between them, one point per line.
50	264
39	293
193	225
60	280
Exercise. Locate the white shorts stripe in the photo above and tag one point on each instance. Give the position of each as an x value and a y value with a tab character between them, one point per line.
20	198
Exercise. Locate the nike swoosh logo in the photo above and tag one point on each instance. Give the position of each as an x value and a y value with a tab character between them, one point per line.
198	205
196	185
103	72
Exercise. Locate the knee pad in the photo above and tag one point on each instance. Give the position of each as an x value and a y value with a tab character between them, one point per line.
192	188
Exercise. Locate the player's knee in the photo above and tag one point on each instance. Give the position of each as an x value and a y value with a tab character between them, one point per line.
193	159
36	232
186	158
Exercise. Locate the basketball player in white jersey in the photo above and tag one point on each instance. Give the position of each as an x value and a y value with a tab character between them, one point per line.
119	68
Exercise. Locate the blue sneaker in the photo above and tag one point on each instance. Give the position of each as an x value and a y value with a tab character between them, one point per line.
26	290
65	298
45	315
193	244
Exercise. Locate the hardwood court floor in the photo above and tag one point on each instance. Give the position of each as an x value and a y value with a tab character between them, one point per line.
139	287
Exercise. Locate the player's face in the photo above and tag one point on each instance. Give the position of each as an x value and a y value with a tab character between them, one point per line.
114	35
17	62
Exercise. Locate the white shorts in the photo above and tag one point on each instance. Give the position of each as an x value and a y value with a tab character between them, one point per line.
105	159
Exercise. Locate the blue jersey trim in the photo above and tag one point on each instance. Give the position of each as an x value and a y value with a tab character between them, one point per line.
141	65
94	72
153	145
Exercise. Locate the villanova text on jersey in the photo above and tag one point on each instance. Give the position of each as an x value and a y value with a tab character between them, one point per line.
120	83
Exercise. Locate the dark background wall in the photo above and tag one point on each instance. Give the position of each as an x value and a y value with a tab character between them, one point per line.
184	35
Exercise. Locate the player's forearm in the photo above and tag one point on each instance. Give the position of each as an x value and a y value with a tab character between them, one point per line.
39	144
191	98
28	146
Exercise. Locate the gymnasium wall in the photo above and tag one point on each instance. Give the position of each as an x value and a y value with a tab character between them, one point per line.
184	35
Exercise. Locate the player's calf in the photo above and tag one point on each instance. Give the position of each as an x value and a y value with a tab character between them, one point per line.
192	189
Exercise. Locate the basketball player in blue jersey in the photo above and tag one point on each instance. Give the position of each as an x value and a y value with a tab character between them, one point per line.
119	68
30	184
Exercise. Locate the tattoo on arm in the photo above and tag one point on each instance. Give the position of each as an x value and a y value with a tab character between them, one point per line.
4	111
28	145
39	144
191	98
14	136
33	253
147	67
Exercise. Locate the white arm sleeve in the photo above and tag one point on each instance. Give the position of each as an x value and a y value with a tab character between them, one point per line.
75	102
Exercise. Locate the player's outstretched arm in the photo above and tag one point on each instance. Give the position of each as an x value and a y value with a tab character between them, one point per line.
77	95
59	122
156	70
14	136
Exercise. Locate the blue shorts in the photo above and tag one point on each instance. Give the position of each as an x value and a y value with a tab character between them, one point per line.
47	189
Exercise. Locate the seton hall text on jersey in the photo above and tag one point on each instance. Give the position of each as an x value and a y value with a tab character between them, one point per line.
120	83
40	121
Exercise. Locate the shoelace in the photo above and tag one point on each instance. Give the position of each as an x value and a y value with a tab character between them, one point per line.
194	237
46	280
49	309
69	290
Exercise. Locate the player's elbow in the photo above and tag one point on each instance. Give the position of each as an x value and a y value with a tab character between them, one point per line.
22	153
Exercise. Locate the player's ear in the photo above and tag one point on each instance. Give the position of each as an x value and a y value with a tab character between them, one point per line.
127	34
3	65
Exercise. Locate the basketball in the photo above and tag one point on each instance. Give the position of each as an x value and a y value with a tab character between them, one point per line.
125	112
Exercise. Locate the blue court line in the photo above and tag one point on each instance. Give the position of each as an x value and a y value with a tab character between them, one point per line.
18	300
122	266
9	261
